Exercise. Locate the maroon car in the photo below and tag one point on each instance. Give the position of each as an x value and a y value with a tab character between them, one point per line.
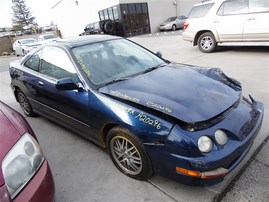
25	174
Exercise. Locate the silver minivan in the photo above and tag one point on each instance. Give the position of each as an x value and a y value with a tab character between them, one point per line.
211	23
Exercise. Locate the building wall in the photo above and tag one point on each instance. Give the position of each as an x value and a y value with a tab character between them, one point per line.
184	6
71	17
160	10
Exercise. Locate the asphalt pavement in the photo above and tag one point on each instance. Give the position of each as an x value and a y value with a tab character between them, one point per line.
84	172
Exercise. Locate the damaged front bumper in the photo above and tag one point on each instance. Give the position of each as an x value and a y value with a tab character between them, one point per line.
183	160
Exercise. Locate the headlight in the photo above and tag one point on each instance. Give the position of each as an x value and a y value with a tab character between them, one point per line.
205	144
21	163
168	25
221	137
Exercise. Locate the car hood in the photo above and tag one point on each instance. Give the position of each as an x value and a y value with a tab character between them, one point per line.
10	132
32	44
166	23
184	92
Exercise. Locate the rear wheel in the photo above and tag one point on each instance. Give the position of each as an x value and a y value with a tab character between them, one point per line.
128	154
207	42
25	104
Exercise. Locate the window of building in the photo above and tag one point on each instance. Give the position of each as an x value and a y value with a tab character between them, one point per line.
110	14
132	8
115	12
101	15
105	14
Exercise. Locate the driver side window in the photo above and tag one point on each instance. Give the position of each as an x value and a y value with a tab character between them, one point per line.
55	63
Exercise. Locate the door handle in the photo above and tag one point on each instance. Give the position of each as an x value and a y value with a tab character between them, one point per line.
251	19
40	83
216	21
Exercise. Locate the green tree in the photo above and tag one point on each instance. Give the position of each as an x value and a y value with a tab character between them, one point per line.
22	16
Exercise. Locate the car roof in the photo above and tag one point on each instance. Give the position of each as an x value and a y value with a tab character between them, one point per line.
88	39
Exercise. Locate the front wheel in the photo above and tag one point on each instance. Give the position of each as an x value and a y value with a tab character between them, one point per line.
16	54
207	42
174	27
128	154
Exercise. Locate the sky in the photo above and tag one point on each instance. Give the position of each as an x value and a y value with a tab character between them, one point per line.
41	10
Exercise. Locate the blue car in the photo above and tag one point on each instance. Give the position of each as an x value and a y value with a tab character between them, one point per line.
189	123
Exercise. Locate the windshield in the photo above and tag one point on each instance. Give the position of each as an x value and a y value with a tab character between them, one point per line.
51	36
107	61
27	41
171	19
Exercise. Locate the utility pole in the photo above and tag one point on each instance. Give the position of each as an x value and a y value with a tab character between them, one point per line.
175	4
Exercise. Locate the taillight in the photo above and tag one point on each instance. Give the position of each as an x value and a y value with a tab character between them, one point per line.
186	24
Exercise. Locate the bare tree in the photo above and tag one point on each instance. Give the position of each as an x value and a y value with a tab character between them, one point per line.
22	16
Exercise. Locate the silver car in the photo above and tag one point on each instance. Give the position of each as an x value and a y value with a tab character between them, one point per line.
47	38
173	23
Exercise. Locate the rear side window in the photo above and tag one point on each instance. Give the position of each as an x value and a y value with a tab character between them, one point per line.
258	6
232	7
33	62
200	11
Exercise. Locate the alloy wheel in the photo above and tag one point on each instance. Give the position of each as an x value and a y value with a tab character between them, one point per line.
25	105
206	43
126	155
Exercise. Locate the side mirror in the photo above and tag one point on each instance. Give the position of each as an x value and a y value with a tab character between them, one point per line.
159	54
66	84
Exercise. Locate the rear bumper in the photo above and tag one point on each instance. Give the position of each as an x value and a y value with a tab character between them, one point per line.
188	36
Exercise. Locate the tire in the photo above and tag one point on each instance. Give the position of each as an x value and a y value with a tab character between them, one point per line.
108	27
174	28
128	154
25	104
207	42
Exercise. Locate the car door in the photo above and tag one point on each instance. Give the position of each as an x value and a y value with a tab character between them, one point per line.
228	23
66	107
256	27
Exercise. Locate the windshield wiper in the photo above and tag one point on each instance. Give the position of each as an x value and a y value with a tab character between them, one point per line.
154	67
114	81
